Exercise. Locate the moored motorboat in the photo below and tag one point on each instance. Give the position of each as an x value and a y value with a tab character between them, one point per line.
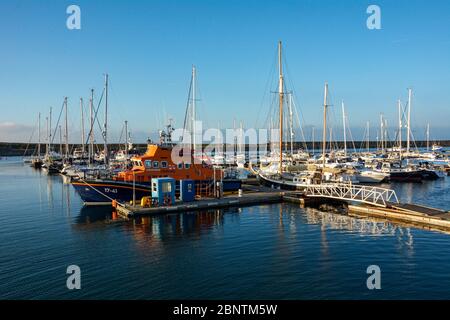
371	176
399	173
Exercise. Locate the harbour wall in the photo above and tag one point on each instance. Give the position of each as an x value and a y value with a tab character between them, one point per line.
25	149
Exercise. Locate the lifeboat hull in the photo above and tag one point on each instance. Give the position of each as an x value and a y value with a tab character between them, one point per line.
99	192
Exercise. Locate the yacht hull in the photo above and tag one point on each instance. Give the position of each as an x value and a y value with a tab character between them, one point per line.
412	176
279	184
371	177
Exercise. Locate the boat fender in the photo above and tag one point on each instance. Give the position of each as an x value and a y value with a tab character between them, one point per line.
145	202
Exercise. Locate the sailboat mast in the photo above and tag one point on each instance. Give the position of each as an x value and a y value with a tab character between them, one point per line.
409	120
368	136
66	129
345	130
106	119
382	133
291	124
324	136
91	131
400	127
39	136
82	128
241	142
193	109
60	141
428	136
235	140
280	91
313	138
50	131
46	134
385	125
126	138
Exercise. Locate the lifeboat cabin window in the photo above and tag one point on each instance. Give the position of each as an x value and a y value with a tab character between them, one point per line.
187	165
163	164
180	166
155	164
148	163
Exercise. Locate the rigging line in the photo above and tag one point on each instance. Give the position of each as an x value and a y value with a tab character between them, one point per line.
39	142
269	119
95	116
101	128
414	141
291	82
186	113
268	84
57	123
121	132
117	115
29	141
305	145
272	111
388	138
350	132
202	106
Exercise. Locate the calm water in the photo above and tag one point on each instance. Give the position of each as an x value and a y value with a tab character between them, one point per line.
267	252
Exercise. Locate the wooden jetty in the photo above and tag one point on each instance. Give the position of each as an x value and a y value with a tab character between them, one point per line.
247	199
361	201
370	201
421	216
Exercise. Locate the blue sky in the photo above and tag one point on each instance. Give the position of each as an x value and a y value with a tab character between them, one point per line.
148	48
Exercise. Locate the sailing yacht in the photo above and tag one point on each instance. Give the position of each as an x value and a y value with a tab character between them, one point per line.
36	162
280	171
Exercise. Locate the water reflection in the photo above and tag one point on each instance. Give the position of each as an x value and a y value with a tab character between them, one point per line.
181	225
337	221
196	224
316	254
161	226
92	214
57	193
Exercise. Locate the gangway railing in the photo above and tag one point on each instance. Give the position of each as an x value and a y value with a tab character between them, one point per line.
350	192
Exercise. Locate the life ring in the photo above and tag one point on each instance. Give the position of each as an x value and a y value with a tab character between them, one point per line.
294	163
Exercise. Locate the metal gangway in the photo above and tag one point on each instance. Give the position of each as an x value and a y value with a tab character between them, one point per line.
376	196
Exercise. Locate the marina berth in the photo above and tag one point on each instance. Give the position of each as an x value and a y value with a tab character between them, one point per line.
179	154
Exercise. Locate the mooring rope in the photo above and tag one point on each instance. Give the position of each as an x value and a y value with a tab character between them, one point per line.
106	196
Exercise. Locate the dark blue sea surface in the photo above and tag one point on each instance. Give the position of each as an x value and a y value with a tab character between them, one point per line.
277	251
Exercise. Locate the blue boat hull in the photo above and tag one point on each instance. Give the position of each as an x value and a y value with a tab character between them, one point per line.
104	191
